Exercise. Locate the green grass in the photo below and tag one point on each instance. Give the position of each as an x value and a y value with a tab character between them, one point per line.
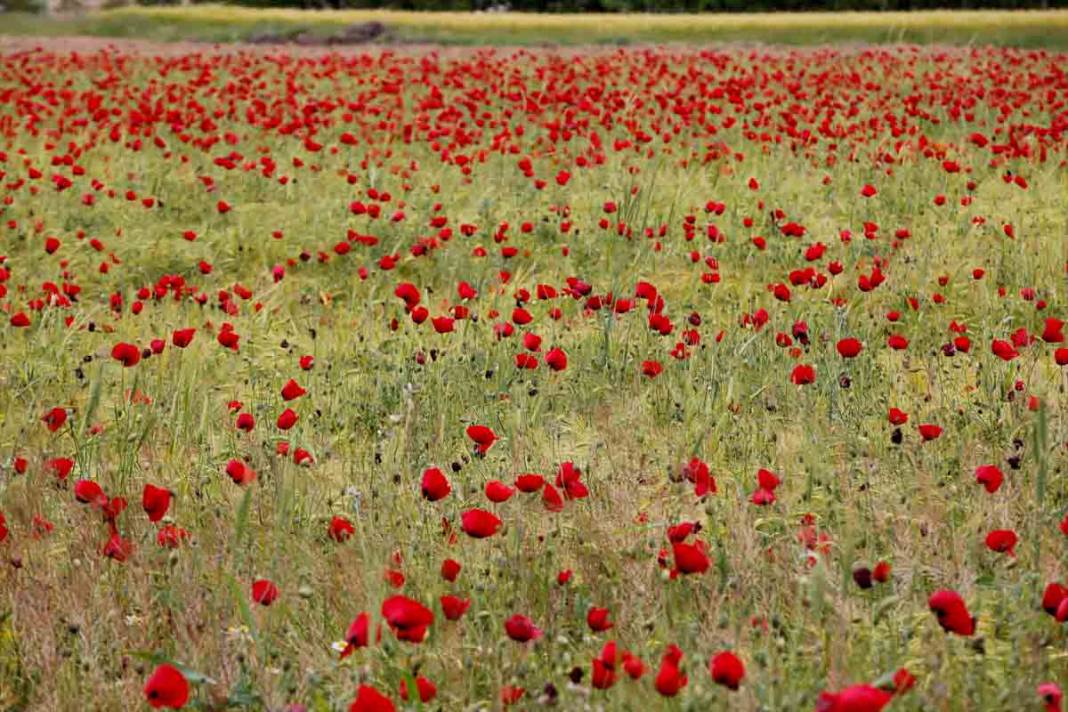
215	23
80	631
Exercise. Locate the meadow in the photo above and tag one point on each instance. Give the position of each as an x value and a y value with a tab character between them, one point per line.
627	379
227	23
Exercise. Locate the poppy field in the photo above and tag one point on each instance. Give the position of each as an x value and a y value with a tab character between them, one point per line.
483	379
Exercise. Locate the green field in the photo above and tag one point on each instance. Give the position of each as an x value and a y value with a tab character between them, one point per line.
218	23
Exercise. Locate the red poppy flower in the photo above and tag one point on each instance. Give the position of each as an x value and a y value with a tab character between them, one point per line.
652	369
529	482
497	491
479	524
155	501
264	592
60	467
454	607
556	359
990	477
183	337
1003	350
597	619
409	619
245	422
89	492
368	699
521	629
340	529
669	678
435	485
239	472
287	419
510	694
126	354
167	687
849	348
1002	541
897	342
117	548
170	536
54	419
929	431
691	558
952	613
858	698
450	569
482	436
292	390
424	688
1051	696
727	669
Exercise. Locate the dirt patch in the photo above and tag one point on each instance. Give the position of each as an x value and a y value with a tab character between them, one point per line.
356	34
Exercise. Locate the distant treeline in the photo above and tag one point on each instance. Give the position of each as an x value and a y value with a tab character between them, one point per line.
565	6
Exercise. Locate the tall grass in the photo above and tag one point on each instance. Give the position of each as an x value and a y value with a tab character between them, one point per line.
1048	28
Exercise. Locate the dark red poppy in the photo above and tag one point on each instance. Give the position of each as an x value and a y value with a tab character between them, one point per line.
727	669
521	629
